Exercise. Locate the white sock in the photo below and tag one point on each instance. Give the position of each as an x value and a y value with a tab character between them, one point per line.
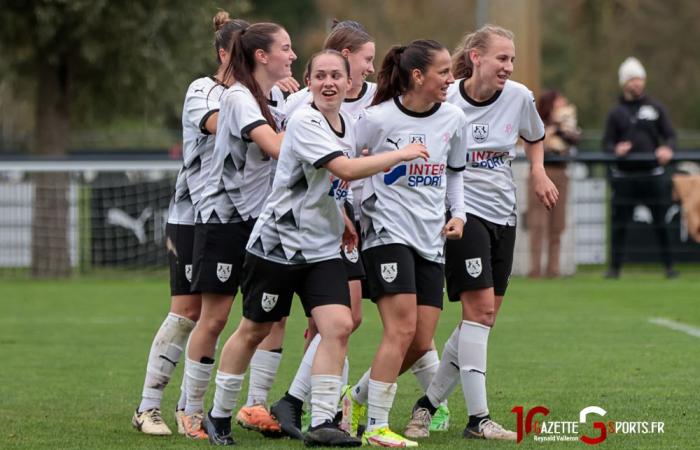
182	401
473	338
447	376
425	368
346	372
263	368
301	385
379	401
325	394
198	375
228	386
166	349
361	390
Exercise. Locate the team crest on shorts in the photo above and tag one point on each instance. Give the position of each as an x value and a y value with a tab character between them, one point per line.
389	272
473	267
223	271
188	272
269	301
480	131
352	256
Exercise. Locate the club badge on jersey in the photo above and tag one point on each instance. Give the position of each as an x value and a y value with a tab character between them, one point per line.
480	132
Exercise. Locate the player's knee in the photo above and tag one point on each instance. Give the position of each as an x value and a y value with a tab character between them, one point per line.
402	335
338	328
356	320
214	325
254	333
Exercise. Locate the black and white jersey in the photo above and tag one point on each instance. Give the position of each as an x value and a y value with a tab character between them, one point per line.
201	101
302	221
240	173
352	106
406	203
493	128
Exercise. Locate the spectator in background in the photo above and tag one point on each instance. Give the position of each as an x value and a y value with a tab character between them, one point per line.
638	125
561	132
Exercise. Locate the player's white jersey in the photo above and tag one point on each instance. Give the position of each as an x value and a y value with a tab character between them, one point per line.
239	177
406	203
201	101
352	106
302	221
493	128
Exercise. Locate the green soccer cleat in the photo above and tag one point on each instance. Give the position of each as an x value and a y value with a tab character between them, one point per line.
441	419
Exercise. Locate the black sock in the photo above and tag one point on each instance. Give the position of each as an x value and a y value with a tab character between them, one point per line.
424	402
475	420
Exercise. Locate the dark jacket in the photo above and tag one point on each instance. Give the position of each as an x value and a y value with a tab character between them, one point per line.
646	124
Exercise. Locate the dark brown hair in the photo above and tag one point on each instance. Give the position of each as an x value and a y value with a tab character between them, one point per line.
224	29
545	105
347	34
394	77
246	42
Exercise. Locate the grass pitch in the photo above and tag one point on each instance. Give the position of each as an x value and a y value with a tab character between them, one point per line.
73	356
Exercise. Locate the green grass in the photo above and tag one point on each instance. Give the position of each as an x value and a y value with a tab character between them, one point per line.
73	354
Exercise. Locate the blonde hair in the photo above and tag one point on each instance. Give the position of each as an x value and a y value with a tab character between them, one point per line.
462	66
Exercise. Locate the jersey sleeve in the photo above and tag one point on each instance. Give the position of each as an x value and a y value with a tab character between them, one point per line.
311	141
295	101
246	113
199	107
362	133
457	154
531	127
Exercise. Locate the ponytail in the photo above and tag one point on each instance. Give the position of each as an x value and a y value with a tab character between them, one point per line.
224	29
394	77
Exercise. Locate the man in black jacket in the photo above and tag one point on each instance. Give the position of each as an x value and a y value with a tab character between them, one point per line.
636	126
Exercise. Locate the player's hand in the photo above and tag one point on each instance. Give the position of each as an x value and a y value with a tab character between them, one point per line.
414	151
350	238
546	192
664	154
289	85
453	228
622	148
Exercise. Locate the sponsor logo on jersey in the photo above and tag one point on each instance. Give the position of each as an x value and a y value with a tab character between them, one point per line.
473	267
188	272
268	301
487	159
416	139
223	271
389	272
480	132
417	174
339	189
352	256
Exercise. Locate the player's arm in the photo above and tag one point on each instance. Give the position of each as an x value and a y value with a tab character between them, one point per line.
267	139
545	190
358	168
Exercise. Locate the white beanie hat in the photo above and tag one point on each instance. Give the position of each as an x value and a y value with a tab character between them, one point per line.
631	68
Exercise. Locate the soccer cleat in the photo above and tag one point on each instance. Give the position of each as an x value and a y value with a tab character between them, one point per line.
329	435
305	420
218	430
288	415
441	419
419	425
353	412
488	429
384	437
193	426
150	422
257	418
179	413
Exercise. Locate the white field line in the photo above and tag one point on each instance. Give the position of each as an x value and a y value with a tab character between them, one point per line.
672	324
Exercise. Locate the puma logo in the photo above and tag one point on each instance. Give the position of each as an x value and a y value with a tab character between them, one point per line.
117	217
316	121
394	143
199	90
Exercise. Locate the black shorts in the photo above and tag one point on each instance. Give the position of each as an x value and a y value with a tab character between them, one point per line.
218	253
268	287
179	243
398	269
483	258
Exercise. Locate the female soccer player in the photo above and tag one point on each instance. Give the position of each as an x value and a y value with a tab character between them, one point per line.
478	266
294	249
199	118
403	216
238	183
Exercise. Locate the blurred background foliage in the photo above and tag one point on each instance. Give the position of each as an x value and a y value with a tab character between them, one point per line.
119	69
